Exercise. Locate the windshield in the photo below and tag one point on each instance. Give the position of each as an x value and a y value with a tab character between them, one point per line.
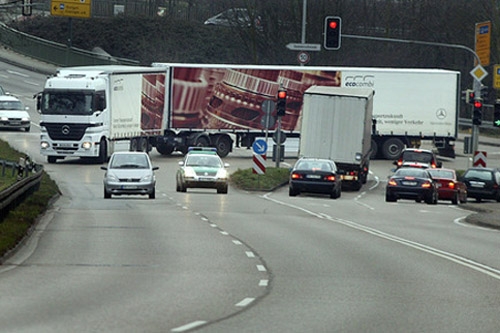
72	103
11	105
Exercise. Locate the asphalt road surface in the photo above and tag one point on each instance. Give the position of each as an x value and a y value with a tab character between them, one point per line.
245	261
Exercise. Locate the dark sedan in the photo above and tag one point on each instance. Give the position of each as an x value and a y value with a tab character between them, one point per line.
314	175
449	187
413	184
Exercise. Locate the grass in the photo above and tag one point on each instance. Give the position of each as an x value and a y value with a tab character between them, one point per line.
248	180
18	222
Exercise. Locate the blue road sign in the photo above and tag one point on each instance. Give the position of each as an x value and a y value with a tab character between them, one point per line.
259	146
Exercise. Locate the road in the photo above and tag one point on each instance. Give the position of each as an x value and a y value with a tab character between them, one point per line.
246	261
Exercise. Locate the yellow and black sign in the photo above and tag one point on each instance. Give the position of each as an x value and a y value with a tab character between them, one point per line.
483	36
71	8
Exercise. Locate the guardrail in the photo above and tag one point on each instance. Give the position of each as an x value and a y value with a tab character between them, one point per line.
55	53
29	176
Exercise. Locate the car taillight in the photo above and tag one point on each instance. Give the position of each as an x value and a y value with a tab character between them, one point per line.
296	176
392	182
451	185
330	178
426	184
400	163
433	165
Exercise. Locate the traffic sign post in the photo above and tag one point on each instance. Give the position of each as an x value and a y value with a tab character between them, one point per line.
259	164
479	159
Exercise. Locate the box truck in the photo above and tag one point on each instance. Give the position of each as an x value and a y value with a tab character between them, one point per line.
337	125
174	106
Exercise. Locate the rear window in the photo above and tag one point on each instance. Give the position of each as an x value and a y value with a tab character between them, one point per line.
441	173
417	156
479	174
411	172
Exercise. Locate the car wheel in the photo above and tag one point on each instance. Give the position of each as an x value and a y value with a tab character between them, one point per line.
51	159
478	199
389	198
292	192
107	195
335	194
152	195
182	187
498	197
222	190
454	201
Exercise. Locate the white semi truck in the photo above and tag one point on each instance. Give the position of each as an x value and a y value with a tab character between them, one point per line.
173	106
337	125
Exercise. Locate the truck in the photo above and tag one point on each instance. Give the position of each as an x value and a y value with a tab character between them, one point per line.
337	125
171	106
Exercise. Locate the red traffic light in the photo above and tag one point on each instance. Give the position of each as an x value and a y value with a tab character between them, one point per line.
282	94
478	104
333	24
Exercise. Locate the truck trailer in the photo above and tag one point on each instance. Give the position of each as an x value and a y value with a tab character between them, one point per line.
337	125
174	106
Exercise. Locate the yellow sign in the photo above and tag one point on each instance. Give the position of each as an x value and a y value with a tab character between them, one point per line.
71	8
483	37
478	73
496	77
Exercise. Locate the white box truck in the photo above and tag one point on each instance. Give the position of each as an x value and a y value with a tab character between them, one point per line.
337	125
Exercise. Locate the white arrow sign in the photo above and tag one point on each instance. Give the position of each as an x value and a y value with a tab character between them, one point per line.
303	47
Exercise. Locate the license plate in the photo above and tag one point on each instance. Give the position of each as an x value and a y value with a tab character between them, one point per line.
313	176
409	183
347	177
205	179
65	145
129	187
477	184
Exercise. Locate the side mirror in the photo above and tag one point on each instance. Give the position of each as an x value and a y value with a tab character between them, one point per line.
104	168
439	164
155	168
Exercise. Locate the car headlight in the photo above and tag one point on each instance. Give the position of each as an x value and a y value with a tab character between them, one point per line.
4	118
87	145
147	178
44	145
25	119
222	174
111	177
189	173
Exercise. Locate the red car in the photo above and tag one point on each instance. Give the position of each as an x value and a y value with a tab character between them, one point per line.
449	187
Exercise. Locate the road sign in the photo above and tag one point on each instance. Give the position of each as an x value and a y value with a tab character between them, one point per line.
483	37
268	121
259	146
478	73
479	159
259	164
282	137
303	57
303	47
496	77
71	8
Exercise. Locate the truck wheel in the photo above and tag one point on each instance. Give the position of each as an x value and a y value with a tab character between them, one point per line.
103	152
51	159
223	144
134	144
164	149
392	148
143	145
202	142
374	152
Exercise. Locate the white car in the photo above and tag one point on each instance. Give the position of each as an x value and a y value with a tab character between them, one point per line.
129	173
13	114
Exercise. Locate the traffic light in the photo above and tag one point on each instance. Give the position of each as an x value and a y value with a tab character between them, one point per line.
496	114
477	114
281	105
332	33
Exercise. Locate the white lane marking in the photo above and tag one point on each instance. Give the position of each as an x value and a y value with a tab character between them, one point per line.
261	268
213	225
458	221
250	254
245	302
474	265
263	283
225	233
32	83
189	326
237	242
17	73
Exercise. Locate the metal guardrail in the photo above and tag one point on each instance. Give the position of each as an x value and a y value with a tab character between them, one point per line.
55	53
28	180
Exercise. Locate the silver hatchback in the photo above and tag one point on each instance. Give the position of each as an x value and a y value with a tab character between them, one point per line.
129	173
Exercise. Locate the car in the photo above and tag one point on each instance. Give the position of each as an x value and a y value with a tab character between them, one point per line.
482	183
417	158
315	175
202	168
13	114
413	184
449	187
129	173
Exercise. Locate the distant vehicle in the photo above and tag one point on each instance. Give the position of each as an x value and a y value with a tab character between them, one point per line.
413	184
129	173
417	158
235	17
13	114
315	175
202	169
482	183
449	187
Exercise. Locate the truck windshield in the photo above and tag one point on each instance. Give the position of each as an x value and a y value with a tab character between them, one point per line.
71	103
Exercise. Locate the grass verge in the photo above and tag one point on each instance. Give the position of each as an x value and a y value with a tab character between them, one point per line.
18	222
248	180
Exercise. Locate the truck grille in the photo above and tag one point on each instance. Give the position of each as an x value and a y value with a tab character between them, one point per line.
73	132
